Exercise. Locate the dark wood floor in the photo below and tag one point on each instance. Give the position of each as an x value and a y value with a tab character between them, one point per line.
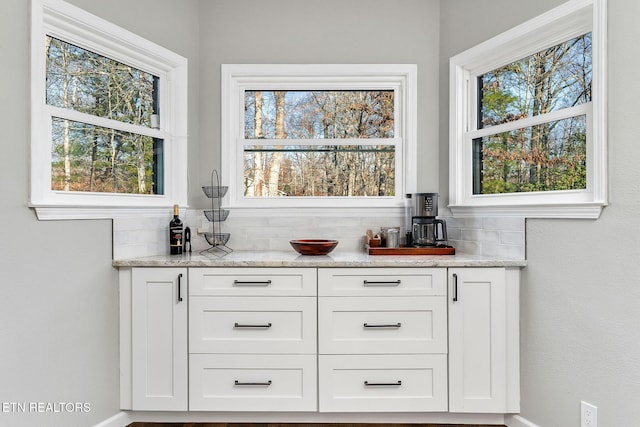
302	425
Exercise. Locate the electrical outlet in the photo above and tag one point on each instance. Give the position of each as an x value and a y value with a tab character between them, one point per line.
588	415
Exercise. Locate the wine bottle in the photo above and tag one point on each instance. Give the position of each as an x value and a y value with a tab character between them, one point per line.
175	233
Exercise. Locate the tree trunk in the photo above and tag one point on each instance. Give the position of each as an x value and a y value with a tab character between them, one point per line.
115	150
67	159
276	158
142	186
258	168
538	107
94	158
66	143
135	112
351	164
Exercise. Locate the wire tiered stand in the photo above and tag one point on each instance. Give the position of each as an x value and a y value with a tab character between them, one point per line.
216	216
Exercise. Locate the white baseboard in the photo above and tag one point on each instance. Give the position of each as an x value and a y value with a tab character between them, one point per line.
313	417
518	421
121	419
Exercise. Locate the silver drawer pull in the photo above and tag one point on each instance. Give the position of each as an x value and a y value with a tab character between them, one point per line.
268	383
393	325
238	325
251	283
382	283
396	384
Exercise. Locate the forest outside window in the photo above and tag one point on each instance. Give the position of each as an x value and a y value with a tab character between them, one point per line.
109	118
533	140
549	155
325	136
334	119
91	158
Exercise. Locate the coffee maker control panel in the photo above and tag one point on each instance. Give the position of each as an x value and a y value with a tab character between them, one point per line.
425	204
428	204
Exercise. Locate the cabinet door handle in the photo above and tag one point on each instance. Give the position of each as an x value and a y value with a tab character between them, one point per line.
267	383
382	283
455	287
392	325
251	283
238	325
395	384
179	287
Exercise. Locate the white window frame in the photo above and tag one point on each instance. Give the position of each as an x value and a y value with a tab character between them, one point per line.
61	20
237	78
569	20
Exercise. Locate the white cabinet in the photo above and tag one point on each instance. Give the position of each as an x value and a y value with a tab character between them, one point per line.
159	339
312	339
253	339
483	340
382	339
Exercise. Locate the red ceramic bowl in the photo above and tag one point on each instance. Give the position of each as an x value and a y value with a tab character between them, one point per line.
313	246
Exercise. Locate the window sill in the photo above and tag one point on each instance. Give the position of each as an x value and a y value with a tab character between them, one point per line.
50	212
574	211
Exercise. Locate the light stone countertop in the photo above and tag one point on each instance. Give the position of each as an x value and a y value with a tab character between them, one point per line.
334	259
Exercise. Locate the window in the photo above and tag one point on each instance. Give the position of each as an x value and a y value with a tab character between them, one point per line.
332	136
528	132
108	117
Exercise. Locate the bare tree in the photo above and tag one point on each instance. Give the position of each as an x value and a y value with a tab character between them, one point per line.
258	171
276	158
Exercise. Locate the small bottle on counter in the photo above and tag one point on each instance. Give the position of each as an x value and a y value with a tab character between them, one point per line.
176	240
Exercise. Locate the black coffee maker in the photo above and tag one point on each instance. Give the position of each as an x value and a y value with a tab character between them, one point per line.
426	229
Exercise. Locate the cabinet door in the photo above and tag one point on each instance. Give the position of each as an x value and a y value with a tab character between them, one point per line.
481	347
159	338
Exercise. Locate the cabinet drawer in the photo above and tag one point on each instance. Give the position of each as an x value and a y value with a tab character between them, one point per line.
253	281
383	383
244	383
252	325
374	325
381	281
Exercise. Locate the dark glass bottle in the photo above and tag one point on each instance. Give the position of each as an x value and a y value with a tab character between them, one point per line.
176	240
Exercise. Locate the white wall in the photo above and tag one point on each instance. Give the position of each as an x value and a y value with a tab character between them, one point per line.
580	291
58	313
58	291
322	31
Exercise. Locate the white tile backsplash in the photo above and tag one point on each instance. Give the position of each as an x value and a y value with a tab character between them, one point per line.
133	237
275	233
493	237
